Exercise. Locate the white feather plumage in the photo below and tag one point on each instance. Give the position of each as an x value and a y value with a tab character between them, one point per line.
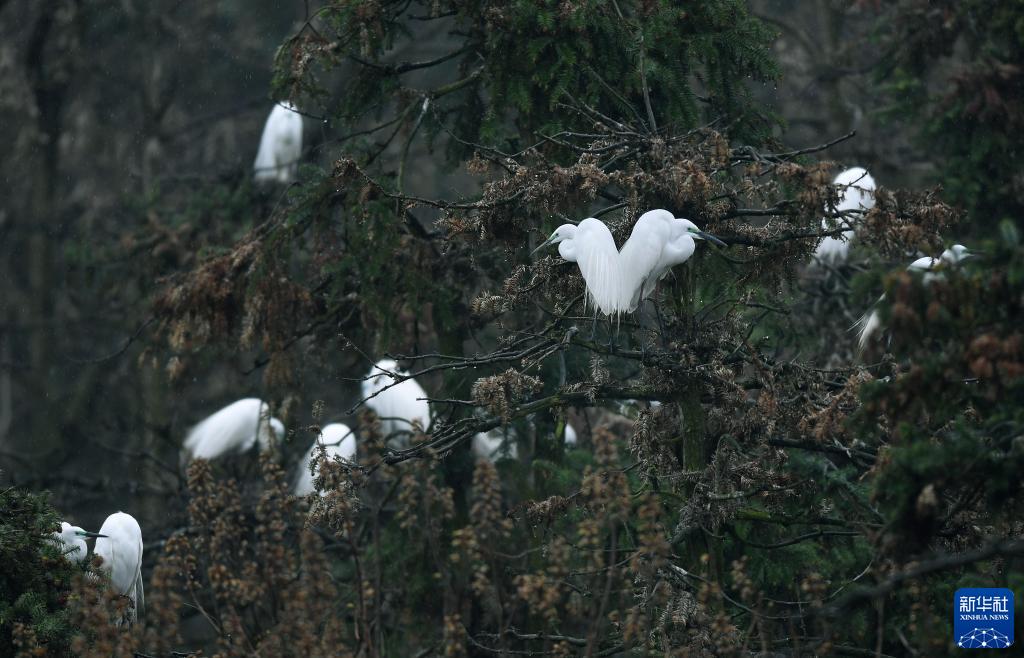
280	146
570	436
663	241
591	246
857	192
233	430
615	279
338	441
121	550
397	406
641	256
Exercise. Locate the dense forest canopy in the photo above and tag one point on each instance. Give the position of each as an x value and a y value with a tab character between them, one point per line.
431	441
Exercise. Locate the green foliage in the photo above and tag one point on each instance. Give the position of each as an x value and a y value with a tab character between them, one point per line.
521	64
35	580
954	69
957	410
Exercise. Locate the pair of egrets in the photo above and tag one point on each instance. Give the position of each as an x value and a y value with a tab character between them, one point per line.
857	197
618	280
119	543
400	404
930	270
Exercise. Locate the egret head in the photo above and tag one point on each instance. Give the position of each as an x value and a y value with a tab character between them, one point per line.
380	373
71	542
68	532
698	234
72	536
956	253
563	232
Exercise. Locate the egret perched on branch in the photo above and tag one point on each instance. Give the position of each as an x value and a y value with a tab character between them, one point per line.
280	146
495	444
338	441
857	189
71	538
659	241
233	430
931	268
570	436
397	405
120	546
616	279
591	246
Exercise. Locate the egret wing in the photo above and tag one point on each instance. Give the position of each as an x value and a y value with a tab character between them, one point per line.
923	264
598	260
232	429
303	478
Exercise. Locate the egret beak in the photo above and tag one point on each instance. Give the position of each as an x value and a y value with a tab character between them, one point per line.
710	238
86	533
542	245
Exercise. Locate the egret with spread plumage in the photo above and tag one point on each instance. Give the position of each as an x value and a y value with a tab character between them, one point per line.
617	280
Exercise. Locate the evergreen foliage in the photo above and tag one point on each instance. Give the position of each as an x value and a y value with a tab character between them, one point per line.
517	68
955	67
36	579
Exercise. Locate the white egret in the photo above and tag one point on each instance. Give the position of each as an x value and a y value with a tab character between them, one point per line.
570	436
71	538
591	246
659	241
931	269
495	444
616	279
233	430
280	145
857	193
397	405
338	441
120	546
